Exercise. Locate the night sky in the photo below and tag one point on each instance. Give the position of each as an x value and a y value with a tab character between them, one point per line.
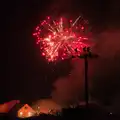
25	71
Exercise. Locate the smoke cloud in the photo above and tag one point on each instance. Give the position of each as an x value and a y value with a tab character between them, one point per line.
103	73
106	68
69	87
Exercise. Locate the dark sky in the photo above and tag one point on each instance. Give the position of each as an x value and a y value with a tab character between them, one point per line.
25	71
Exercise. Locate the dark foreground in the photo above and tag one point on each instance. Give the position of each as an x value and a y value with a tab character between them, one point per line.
71	113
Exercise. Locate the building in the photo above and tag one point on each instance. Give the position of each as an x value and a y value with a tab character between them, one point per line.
26	111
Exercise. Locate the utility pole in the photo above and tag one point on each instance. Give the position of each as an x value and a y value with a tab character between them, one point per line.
86	54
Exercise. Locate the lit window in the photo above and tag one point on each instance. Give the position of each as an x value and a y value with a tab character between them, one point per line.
29	113
21	113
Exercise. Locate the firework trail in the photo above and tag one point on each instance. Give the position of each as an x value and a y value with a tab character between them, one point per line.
59	39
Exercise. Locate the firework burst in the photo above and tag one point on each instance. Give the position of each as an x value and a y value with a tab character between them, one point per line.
62	38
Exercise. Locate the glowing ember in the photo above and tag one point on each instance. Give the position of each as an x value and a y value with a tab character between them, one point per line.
60	39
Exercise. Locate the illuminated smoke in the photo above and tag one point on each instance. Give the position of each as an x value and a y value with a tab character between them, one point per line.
106	68
69	89
103	72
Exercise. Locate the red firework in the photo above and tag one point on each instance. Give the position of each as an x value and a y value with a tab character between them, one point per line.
60	39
